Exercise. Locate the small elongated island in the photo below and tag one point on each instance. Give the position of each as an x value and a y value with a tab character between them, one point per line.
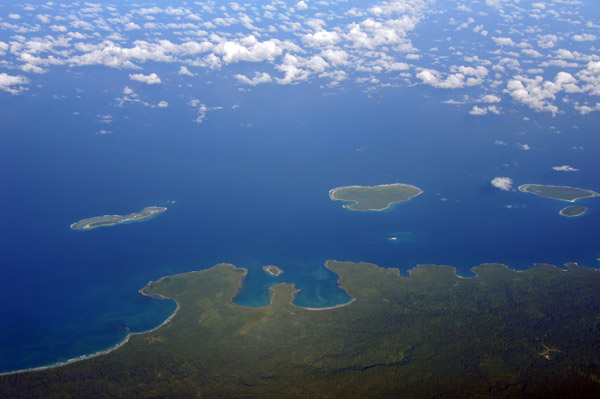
374	198
113	220
562	193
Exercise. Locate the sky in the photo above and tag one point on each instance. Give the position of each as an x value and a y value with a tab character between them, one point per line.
490	57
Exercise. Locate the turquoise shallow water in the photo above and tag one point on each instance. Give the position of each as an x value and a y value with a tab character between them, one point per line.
250	186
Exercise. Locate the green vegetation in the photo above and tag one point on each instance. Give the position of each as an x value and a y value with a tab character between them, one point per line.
374	198
272	270
572	211
112	220
562	193
501	334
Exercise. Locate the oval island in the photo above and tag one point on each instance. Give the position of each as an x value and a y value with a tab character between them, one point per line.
562	193
573	211
374	198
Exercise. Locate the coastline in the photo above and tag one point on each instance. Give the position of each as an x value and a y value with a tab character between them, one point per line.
346	206
129	335
108	350
352	300
341	305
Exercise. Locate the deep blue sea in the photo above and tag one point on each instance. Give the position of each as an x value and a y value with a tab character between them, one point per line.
249	186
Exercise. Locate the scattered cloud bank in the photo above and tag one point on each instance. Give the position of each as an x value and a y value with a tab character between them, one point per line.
503	183
497	51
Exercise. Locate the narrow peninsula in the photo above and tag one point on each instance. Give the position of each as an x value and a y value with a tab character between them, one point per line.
374	198
272	270
113	220
562	193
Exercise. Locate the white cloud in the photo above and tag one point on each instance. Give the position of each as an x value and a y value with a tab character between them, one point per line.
531	52
478	111
14	16
3	47
503	183
397	7
494	109
547	41
252	50
184	71
462	76
586	109
12	84
591	78
565	168
537	93
202	110
490	98
321	38
336	57
301	5
163	104
586	37
43	18
504	41
371	33
524	147
257	79
132	26
298	68
151	79
106	119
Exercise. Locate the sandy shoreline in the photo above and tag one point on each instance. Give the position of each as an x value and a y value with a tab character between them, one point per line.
104	351
269	269
113	348
327	308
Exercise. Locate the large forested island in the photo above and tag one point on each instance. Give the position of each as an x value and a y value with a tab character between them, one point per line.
500	334
562	193
112	220
374	198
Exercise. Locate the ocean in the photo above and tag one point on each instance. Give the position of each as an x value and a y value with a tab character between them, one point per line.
250	186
